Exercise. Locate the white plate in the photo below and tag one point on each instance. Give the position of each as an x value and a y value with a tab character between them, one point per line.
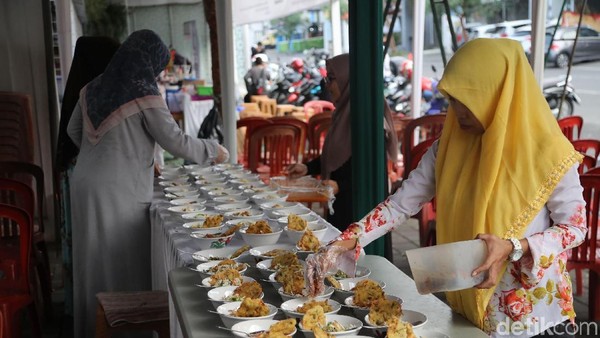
215	187
177	190
173	177
197	225
348	284
203	268
274	205
206	281
204	182
233	207
220	295
361	312
257	240
182	194
255	325
245	213
229	320
298	210
187	201
186	209
230	199
259	251
319	230
347	321
209	255
265	197
415	318
326	294
290	307
243	181
175	183
225	192
199	216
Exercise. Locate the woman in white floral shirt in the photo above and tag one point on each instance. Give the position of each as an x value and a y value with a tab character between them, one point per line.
503	172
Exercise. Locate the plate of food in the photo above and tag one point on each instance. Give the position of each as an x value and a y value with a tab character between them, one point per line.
227	294
230	277
186	209
256	328
200	216
208	255
270	251
317	324
235	312
212	267
362	303
297	307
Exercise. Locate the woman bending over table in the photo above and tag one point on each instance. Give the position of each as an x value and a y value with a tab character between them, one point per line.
503	172
118	119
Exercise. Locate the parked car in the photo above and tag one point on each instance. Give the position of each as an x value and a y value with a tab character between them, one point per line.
507	28
588	46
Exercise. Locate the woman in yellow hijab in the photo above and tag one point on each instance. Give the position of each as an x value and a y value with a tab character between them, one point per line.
503	172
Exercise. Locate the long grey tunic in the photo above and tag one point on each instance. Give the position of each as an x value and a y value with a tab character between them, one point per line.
111	191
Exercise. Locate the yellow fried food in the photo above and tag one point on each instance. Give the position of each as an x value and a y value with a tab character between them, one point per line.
296	222
286	259
226	264
240	251
309	242
285	327
334	282
383	310
212	221
232	230
259	227
226	277
314	317
312	303
249	290
291	279
366	291
320	333
251	308
275	252
399	329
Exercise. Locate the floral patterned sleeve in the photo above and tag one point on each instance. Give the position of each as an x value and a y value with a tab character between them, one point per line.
567	213
418	189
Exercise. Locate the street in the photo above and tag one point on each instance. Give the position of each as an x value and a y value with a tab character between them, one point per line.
584	77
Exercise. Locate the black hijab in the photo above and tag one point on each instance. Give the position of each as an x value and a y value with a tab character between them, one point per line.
131	74
92	55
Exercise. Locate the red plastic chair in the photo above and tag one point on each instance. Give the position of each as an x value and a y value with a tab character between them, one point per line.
289	120
585	255
430	127
16	127
587	164
319	106
571	126
276	146
24	172
15	289
250	123
317	128
593	171
587	147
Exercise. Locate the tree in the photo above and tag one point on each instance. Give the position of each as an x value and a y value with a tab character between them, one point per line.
105	19
288	25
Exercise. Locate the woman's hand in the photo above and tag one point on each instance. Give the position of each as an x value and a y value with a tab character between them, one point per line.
335	255
498	250
333	184
296	170
222	154
156	169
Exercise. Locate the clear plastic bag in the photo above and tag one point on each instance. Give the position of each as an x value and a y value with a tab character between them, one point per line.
304	187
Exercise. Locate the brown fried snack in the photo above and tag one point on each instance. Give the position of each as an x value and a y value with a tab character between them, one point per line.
275	252
296	222
232	230
286	259
314	317
226	264
366	291
312	303
240	251
399	329
226	277
309	242
251	308
383	310
249	290
212	221
334	282
292	279
320	333
286	327
259	227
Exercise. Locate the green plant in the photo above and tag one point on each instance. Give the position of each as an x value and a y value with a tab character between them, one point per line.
105	19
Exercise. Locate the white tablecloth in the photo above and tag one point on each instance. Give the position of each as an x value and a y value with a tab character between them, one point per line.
194	113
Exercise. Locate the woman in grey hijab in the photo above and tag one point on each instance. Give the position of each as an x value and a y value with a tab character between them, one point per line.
335	163
116	123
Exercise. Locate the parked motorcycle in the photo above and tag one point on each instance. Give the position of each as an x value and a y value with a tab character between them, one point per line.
553	92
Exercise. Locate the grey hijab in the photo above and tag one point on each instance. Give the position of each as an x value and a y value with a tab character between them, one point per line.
131	74
337	148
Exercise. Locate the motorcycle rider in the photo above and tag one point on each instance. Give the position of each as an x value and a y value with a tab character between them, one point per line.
256	79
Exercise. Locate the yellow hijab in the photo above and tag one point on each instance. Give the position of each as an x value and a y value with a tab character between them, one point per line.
496	182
